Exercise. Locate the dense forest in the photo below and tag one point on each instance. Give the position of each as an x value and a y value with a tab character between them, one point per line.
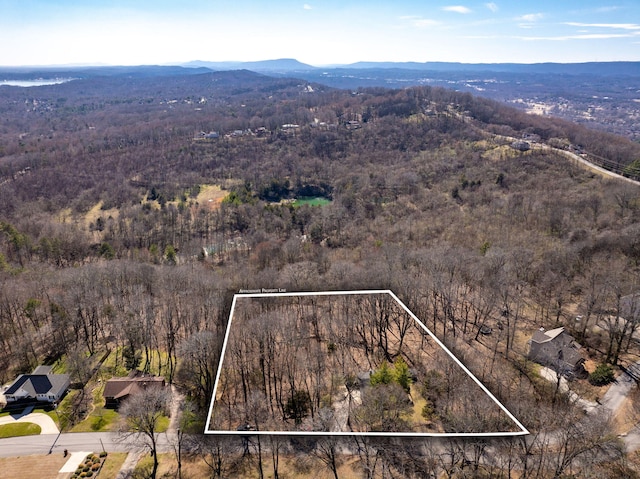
109	242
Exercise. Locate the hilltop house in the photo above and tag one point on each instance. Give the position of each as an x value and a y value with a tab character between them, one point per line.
40	385
117	390
558	350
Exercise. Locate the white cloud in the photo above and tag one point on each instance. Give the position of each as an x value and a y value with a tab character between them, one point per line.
590	36
419	22
307	7
611	8
457	9
621	26
492	6
531	17
425	22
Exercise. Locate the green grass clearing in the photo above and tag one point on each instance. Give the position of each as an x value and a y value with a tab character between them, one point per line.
163	424
19	429
311	201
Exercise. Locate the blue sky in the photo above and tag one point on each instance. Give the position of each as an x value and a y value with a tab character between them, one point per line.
318	32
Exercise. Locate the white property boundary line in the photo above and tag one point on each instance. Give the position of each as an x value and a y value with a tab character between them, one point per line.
523	430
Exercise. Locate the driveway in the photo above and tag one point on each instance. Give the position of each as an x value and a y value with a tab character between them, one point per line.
47	425
618	391
550	375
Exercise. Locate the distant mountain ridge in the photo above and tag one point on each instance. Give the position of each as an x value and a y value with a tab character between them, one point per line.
279	65
285	65
591	68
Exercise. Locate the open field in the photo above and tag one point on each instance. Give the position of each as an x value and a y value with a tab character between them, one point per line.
310	201
211	195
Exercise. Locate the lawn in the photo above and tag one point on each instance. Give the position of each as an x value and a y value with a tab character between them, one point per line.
112	465
49	412
99	419
310	201
19	429
47	466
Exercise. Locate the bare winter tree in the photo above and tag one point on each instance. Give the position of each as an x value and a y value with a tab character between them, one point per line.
140	419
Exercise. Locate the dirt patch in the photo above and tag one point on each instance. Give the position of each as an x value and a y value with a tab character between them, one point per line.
211	196
288	466
97	212
47	466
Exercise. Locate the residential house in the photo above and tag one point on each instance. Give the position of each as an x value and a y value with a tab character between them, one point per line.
117	390
40	385
558	350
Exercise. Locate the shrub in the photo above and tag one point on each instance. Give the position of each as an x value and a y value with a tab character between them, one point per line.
298	405
103	454
602	375
95	467
428	411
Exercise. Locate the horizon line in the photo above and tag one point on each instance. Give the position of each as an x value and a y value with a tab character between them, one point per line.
189	63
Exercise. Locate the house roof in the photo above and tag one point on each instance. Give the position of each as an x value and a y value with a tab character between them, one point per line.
569	352
43	370
542	336
119	388
35	384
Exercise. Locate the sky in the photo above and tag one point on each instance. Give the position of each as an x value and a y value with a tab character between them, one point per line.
317	32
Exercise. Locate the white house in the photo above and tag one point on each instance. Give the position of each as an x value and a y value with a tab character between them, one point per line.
40	385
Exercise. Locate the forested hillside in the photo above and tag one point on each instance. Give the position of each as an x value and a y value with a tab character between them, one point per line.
132	209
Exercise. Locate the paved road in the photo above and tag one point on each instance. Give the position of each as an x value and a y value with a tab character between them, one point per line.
618	391
73	442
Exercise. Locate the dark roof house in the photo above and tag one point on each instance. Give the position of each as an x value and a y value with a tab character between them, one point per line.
40	385
117	390
557	349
